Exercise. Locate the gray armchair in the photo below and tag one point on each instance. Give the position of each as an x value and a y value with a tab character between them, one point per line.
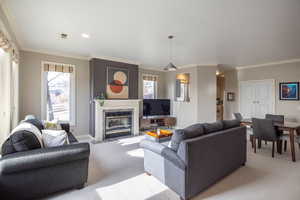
199	162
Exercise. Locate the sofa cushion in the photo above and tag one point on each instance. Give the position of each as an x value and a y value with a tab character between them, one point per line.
230	123
21	140
213	127
179	135
194	130
35	122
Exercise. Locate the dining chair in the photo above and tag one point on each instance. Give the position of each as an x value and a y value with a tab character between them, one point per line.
264	129
280	120
238	116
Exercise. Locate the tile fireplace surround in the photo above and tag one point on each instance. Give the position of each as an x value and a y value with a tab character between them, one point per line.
117	105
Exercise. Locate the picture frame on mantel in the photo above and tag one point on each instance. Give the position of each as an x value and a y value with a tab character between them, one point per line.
289	91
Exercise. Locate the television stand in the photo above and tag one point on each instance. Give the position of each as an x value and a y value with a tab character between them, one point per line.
148	122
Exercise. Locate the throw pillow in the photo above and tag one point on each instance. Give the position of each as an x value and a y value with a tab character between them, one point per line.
54	138
52	125
177	137
25	126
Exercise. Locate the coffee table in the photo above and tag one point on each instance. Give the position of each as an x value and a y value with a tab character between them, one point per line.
165	135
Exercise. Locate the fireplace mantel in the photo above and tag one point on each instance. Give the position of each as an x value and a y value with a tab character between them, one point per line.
133	104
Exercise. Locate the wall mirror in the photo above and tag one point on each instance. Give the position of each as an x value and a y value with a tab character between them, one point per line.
182	87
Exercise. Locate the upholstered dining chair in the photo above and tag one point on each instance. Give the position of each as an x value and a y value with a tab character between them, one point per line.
264	129
238	116
279	119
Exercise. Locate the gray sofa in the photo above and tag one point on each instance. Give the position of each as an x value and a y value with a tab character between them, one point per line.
39	172
198	156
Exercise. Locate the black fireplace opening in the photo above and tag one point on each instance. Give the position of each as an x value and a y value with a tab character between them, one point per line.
118	123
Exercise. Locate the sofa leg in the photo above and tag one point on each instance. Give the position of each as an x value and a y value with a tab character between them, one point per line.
79	187
148	173
243	164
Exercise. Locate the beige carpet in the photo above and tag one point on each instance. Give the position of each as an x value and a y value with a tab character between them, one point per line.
116	173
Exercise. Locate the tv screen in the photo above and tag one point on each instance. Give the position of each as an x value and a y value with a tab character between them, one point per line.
153	107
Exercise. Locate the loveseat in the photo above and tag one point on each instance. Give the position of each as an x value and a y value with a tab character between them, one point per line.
42	171
197	156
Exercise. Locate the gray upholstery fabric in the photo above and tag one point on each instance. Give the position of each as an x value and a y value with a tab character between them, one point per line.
276	119
238	116
47	170
264	129
213	127
207	159
164	151
179	135
195	130
230	124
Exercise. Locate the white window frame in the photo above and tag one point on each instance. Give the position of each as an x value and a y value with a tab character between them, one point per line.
72	121
155	87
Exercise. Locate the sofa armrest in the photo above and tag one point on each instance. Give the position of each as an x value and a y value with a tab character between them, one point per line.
44	157
163	151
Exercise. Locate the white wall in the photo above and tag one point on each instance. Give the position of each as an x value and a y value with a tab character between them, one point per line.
30	86
207	93
202	90
231	85
280	73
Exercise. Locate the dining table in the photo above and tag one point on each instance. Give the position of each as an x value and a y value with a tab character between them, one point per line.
290	127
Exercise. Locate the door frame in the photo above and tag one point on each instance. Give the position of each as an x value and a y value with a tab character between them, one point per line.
249	81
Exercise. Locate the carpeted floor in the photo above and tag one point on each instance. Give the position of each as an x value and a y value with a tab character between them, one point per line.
116	173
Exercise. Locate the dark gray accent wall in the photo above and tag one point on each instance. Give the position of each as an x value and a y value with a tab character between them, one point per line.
98	81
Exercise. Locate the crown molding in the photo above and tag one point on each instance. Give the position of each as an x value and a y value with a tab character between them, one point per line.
151	69
7	22
268	64
122	60
197	65
55	54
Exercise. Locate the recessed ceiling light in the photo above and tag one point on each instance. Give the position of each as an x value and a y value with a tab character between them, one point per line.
85	35
63	36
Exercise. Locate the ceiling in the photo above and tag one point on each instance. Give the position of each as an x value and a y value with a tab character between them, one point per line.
227	32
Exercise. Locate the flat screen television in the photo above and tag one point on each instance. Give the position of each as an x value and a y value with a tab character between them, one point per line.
152	107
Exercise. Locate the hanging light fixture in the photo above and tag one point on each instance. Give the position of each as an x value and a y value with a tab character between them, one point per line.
170	66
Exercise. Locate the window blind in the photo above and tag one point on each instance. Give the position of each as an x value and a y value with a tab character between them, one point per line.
58	68
148	77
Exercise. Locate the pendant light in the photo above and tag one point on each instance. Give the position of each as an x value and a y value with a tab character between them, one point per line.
170	66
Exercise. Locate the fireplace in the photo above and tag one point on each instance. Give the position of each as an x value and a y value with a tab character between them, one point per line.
115	118
117	123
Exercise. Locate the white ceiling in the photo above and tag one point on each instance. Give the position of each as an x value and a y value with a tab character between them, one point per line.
228	32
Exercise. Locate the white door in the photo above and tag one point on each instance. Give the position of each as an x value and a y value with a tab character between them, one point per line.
257	98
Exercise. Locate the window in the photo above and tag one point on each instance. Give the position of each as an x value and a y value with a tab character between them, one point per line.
149	87
58	94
